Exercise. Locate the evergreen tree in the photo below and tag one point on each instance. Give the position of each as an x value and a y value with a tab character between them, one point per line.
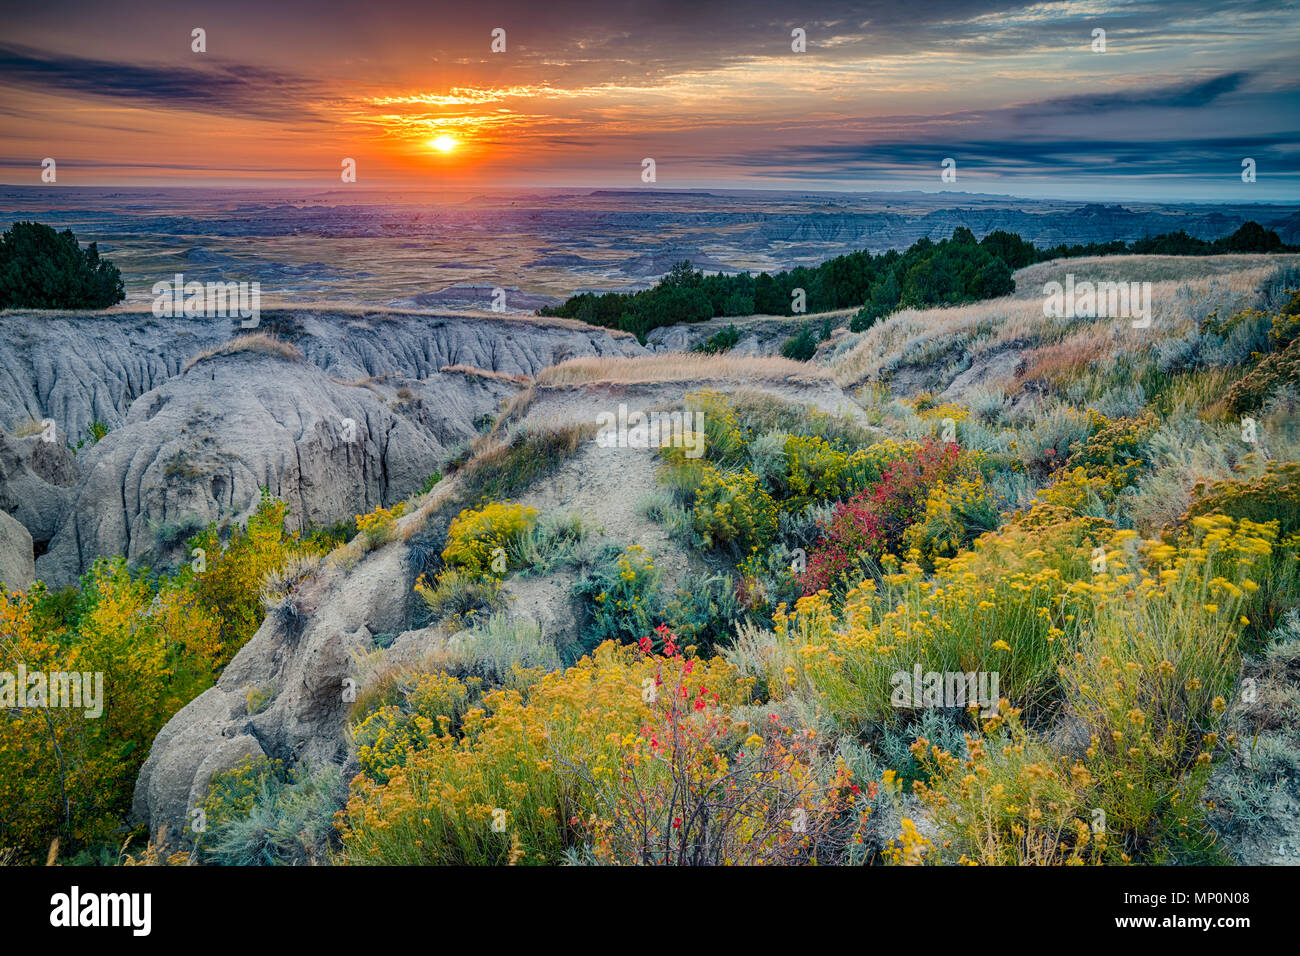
44	269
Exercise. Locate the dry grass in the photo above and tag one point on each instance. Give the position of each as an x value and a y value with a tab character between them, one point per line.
677	367
252	342
1138	268
514	411
1182	288
911	335
472	372
115	312
27	428
1064	361
367	382
346	555
280	582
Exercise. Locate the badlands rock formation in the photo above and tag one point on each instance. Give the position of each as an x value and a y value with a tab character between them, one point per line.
199	448
358	414
77	369
305	660
17	570
37	475
329	639
361	421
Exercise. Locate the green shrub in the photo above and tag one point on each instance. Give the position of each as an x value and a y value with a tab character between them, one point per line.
431	706
1273	371
937	726
724	440
325	538
506	470
722	341
802	346
620	599
459	593
1272	496
706	614
481	541
257	814
556	540
96	431
661	506
175	533
817	471
482	546
501	650
732	511
1252	794
1278	367
767	459
1116	448
44	269
430	483
770	577
956	513
258	697
683	478
379	527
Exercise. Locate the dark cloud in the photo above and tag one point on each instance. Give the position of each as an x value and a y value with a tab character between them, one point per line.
25	163
1188	95
582	42
215	87
590	41
1184	158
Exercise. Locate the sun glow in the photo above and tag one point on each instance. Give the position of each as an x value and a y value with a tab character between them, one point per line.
443	144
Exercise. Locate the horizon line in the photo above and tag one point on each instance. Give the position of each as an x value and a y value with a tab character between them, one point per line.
648	189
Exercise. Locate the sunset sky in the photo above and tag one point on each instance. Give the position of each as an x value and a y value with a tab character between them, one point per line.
712	91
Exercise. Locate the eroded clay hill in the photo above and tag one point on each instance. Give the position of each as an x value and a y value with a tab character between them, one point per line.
356	412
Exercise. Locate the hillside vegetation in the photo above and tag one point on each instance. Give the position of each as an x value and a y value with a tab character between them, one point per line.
1097	533
1094	521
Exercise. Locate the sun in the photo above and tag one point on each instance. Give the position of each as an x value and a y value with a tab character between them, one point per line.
443	144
